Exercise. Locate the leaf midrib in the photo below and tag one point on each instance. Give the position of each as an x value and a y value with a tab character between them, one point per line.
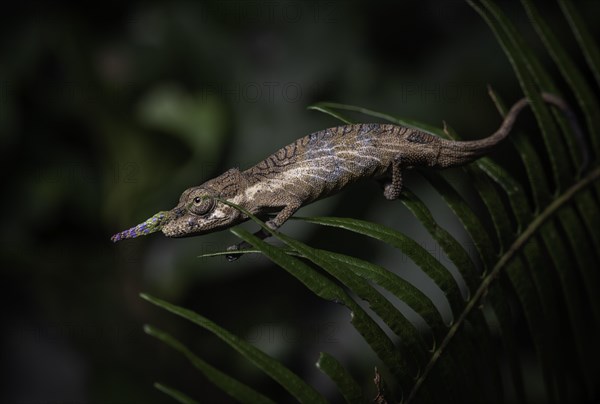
515	247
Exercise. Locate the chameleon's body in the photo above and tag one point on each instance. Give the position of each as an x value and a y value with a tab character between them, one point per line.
314	167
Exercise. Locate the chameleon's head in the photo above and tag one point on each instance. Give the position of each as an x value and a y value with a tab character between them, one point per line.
198	211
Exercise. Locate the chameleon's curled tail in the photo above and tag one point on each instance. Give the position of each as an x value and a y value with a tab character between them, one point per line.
454	153
155	223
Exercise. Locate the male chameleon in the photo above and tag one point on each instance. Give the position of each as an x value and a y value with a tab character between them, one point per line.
317	166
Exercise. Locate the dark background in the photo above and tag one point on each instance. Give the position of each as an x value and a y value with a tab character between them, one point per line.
108	112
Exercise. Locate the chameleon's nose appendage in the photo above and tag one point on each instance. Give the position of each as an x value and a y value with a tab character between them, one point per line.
155	223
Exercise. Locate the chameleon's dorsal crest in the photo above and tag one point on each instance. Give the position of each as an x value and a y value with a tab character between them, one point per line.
420	137
229	184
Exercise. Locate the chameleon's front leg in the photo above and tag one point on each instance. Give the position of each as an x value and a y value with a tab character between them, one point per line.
272	224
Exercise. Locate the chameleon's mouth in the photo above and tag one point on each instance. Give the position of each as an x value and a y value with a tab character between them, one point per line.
153	224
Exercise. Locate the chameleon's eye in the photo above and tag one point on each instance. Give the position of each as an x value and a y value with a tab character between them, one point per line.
202	206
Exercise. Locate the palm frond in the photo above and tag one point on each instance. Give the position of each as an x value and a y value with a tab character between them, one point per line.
175	394
536	264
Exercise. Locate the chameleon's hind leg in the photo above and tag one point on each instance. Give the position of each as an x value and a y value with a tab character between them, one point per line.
272	224
392	187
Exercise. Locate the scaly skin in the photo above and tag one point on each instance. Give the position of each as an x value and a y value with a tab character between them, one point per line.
317	166
155	223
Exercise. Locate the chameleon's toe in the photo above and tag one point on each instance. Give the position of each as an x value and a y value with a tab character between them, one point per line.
233	257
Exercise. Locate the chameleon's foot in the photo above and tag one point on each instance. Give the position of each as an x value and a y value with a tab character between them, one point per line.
236	247
261	234
391	192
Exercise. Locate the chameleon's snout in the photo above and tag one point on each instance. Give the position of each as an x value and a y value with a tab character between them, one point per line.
153	224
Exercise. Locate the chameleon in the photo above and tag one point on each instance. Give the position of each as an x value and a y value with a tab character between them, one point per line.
317	166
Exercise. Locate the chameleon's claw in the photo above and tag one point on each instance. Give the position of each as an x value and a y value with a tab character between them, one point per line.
261	234
235	247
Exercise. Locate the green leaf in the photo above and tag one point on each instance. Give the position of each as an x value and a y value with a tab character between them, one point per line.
419	255
453	249
521	284
344	381
588	209
512	188
491	199
282	375
324	288
585	97
328	108
522	60
229	385
574	301
339	269
585	39
330	112
402	289
479	235
546	291
580	244
496	296
174	394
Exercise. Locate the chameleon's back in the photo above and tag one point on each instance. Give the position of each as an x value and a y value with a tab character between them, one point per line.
324	162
